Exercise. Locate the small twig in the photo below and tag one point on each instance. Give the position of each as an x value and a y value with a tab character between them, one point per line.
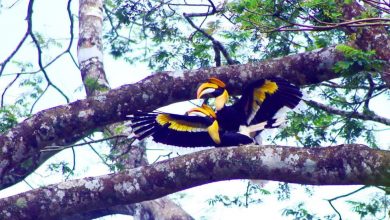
342	196
293	26
71	21
325	28
370	92
39	97
42	68
160	156
59	148
100	156
188	4
130	142
378	6
74	164
215	42
337	86
217	57
248	186
13	4
213	6
28	184
217	45
6	88
21	42
353	114
39	50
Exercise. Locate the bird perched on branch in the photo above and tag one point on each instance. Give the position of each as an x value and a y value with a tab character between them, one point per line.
199	127
262	104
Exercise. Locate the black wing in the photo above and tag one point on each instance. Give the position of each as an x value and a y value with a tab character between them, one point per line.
173	129
263	101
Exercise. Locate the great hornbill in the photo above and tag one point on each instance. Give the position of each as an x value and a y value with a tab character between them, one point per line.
261	105
199	127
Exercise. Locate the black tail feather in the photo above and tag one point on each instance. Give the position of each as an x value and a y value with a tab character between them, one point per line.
147	133
136	118
139	130
141	123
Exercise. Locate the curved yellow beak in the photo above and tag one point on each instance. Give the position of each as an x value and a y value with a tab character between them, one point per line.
205	88
197	112
205	110
214	132
221	100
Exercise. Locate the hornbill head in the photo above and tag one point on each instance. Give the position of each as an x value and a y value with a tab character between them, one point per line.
207	111
214	88
204	111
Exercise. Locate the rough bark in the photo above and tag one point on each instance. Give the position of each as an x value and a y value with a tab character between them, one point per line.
338	165
90	55
90	47
162	209
63	125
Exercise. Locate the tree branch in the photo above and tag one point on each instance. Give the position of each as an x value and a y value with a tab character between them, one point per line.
21	42
217	45
90	56
162	208
338	165
90	47
40	52
357	115
342	196
63	125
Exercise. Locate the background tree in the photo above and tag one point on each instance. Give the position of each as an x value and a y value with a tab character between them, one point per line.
338	51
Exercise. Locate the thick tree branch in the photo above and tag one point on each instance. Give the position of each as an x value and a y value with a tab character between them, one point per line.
90	56
357	115
90	48
63	125
339	165
162	209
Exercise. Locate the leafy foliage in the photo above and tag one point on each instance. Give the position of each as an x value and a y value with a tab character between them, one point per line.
353	92
60	167
93	84
252	195
283	191
356	60
373	208
300	212
9	117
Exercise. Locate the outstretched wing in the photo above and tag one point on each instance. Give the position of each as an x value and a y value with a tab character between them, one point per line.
268	100
177	130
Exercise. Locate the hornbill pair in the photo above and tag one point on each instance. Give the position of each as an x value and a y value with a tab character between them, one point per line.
260	106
